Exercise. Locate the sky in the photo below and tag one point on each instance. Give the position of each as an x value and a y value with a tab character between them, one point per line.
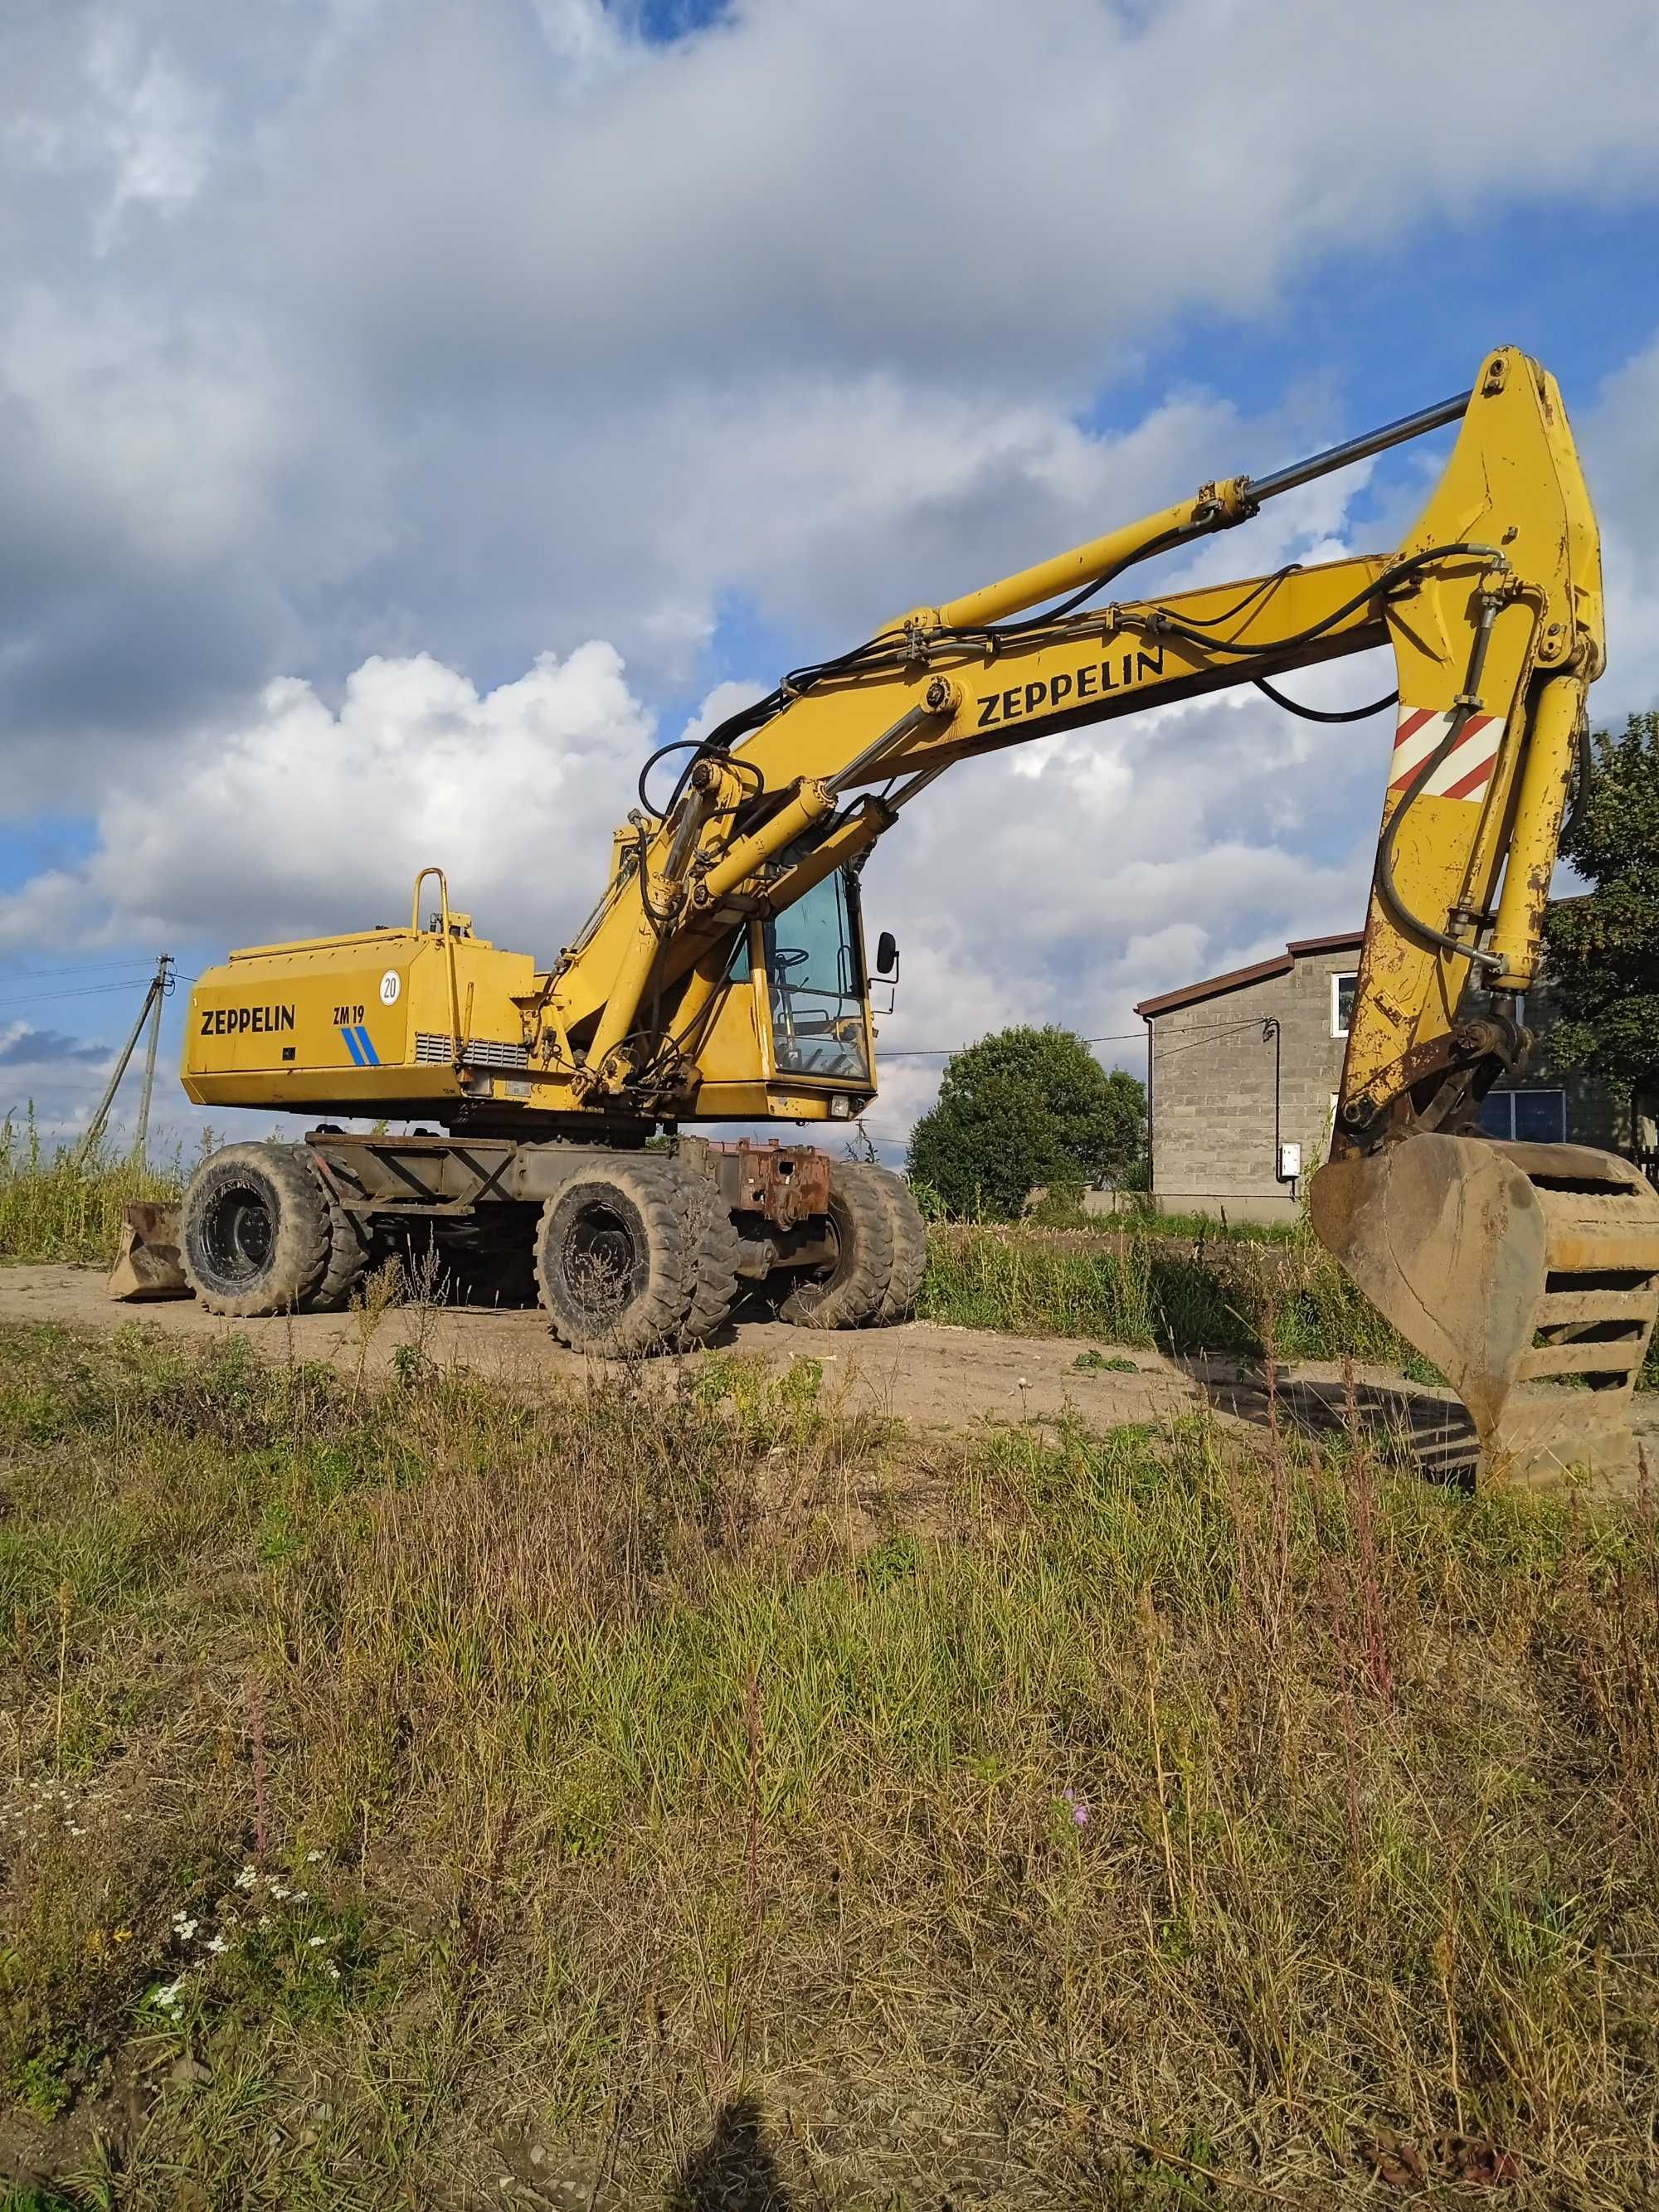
412	412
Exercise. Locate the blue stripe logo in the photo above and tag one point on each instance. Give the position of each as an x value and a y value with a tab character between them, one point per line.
352	1047
371	1058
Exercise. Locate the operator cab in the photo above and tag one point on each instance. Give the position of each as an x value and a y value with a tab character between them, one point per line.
814	966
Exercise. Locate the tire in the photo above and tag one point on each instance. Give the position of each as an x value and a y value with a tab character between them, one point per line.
910	1233
615	1258
719	1249
348	1248
850	1292
255	1235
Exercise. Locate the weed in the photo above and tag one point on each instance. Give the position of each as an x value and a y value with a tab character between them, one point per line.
53	1206
676	1775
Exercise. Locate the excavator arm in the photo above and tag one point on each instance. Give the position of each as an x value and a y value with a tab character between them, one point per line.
1491	606
1511	1267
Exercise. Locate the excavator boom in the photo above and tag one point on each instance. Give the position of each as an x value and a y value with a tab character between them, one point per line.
721	973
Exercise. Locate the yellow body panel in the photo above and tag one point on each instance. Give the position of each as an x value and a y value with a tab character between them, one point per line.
353	1021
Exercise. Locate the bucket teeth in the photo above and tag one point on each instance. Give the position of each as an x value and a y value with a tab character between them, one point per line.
1528	1273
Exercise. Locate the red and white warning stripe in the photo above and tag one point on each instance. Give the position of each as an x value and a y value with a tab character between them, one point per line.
1467	769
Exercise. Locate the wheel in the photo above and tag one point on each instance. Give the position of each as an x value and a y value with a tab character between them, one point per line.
909	1234
851	1289
256	1235
348	1248
616	1258
719	1248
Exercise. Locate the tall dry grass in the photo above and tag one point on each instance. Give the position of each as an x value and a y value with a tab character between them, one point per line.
691	1789
56	1207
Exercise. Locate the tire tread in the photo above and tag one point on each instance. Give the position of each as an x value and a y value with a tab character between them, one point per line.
853	1293
657	1319
300	1235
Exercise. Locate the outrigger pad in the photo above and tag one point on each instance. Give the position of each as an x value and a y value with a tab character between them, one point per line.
148	1264
1528	1273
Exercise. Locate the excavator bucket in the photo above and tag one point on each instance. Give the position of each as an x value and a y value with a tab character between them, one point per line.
1528	1273
147	1261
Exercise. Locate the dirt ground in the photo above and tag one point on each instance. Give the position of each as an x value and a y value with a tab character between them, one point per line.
934	1377
928	1374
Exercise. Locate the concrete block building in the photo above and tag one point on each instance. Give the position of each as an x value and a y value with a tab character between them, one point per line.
1244	1070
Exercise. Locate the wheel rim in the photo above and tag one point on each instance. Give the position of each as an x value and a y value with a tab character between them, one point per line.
238	1233
605	1261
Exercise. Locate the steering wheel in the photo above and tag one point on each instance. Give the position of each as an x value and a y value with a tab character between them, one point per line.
787	957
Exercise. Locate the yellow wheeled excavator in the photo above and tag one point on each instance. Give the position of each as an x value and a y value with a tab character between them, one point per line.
722	975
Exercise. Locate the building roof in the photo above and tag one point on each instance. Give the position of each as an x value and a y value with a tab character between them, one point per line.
1215	987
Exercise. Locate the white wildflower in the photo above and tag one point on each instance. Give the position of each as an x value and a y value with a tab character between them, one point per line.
182	1928
315	1943
168	1998
277	1890
333	1972
217	1943
247	1879
312	1857
301	1896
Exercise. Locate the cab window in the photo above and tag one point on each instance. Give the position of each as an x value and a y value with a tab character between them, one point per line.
815	986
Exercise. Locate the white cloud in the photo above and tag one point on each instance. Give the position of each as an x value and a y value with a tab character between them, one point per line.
303	820
157	126
1619	440
870	183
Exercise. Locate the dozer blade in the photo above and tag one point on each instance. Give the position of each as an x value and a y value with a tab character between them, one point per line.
1528	1273
147	1261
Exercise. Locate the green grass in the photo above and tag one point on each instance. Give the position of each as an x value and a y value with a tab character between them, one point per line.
1131	1287
54	1209
686	1787
1144	1219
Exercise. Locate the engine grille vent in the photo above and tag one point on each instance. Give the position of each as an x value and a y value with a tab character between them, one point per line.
434	1048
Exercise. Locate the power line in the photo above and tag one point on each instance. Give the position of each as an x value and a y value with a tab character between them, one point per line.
1222	1028
84	991
1118	1036
79	968
944	1051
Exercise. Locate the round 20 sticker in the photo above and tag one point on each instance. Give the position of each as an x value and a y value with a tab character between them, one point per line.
391	984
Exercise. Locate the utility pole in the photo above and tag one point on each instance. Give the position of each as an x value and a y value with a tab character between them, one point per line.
158	991
151	1011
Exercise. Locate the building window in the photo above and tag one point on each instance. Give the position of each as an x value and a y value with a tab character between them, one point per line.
1341	1003
1527	1117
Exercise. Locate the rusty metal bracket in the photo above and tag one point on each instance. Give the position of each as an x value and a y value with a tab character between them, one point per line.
785	1184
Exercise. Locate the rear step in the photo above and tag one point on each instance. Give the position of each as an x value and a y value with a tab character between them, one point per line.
1528	1273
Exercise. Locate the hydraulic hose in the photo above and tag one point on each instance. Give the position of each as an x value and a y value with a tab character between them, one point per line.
1466	705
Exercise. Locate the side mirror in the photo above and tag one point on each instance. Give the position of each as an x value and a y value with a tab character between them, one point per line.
887	954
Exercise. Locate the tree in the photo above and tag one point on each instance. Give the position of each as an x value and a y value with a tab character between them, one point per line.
1024	1107
1603	947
